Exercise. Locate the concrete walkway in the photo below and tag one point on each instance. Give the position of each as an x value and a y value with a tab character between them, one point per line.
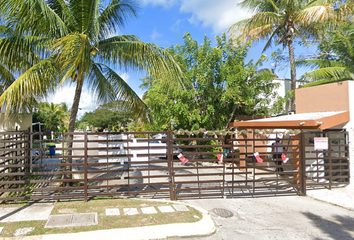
33	212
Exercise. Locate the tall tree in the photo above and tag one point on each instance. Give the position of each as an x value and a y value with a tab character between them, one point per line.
218	85
73	42
281	21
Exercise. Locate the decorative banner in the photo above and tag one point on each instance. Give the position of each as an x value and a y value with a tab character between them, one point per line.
182	158
284	158
320	143
258	158
220	158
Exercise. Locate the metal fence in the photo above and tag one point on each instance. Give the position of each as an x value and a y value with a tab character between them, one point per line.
84	165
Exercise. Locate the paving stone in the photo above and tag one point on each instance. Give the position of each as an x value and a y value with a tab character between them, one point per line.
59	221
181	208
84	219
112	212
23	231
36	212
11	214
149	210
1	228
166	209
130	211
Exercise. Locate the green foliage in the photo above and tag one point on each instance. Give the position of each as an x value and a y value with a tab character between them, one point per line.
218	85
54	116
335	61
112	115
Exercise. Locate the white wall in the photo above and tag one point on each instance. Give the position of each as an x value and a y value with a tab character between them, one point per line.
350	129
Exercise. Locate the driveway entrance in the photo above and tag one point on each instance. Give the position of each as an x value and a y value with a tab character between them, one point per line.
179	167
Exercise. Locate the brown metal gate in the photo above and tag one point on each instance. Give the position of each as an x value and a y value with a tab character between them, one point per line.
146	164
239	174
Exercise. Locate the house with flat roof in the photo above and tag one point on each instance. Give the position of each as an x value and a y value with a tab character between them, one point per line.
319	110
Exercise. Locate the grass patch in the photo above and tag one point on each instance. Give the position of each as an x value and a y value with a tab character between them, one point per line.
105	222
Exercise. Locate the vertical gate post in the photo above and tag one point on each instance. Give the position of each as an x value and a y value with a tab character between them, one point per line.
302	164
170	165
85	166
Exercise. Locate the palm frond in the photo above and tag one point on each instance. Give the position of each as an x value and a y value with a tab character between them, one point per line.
319	63
260	5
115	16
33	16
333	73
98	84
74	54
137	55
61	8
258	27
119	90
31	86
19	53
7	78
313	14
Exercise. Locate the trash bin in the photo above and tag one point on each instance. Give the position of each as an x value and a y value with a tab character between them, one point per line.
52	150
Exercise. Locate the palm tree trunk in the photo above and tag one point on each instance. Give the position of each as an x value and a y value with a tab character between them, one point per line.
74	110
292	74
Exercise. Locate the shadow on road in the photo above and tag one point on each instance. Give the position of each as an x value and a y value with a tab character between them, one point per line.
342	228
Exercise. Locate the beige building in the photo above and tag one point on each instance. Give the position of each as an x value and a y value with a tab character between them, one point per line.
18	122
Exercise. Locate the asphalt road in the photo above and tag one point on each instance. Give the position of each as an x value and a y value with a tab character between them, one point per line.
288	217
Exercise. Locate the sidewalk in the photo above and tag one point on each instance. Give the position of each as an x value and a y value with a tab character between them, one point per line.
42	212
343	197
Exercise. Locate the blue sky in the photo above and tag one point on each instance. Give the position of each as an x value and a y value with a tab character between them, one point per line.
164	22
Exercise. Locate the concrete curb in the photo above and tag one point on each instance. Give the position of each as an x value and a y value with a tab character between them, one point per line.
204	227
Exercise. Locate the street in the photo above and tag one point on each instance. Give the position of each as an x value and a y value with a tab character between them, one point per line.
288	217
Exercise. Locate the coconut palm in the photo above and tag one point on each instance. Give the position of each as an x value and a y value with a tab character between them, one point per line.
52	115
281	21
74	42
335	61
58	42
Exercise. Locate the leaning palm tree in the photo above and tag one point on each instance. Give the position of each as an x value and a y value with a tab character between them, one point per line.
280	22
74	42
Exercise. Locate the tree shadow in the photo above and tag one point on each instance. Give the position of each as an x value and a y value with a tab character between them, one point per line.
342	227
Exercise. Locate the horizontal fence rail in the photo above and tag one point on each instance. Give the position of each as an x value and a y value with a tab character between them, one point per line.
60	166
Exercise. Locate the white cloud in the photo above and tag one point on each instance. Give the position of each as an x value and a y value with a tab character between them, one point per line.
164	3
66	94
155	35
87	100
177	26
125	76
219	15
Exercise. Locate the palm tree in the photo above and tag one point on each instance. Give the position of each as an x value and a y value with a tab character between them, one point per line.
73	42
280	22
335	61
53	115
58	42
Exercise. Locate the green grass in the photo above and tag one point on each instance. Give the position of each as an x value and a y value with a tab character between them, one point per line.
105	222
